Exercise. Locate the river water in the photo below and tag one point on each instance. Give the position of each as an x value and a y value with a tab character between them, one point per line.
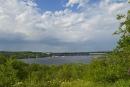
59	60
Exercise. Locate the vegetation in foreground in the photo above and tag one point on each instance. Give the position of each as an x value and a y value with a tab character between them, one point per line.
110	71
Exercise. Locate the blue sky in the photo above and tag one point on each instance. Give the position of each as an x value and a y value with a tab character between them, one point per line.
59	25
51	5
55	5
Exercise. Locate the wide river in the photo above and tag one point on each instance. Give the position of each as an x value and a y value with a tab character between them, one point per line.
59	60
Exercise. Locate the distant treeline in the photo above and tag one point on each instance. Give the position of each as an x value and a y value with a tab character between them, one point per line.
24	54
80	53
30	54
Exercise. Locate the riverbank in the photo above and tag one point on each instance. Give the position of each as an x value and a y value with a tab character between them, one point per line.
30	54
24	54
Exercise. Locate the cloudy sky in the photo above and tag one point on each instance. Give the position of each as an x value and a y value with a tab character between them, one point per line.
59	25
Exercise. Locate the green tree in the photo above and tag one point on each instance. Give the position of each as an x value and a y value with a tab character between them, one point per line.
124	32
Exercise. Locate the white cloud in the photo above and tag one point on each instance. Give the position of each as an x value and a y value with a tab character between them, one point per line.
79	2
21	20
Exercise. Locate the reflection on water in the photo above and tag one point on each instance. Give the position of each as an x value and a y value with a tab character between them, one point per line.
59	60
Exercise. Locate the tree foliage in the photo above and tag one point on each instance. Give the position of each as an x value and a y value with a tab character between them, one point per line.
124	32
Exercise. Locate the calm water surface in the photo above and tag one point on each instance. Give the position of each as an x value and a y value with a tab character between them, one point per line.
59	60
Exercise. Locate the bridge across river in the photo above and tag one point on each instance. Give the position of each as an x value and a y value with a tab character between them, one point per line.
80	53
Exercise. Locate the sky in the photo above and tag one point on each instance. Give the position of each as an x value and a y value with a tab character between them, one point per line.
59	25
